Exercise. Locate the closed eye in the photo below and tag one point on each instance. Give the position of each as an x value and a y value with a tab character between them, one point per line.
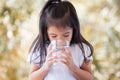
66	35
53	36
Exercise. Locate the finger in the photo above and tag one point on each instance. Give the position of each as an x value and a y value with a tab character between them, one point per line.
63	58
51	58
50	62
64	62
67	50
51	51
49	47
67	54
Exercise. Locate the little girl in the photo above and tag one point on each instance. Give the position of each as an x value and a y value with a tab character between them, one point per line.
59	21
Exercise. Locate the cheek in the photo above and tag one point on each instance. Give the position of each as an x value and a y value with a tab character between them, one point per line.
50	38
70	37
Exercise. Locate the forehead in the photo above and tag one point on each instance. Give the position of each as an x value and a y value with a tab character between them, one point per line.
55	29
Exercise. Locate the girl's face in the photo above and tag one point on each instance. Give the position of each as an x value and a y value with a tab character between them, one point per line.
59	33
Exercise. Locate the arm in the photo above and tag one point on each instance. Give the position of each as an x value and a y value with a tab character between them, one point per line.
83	73
37	73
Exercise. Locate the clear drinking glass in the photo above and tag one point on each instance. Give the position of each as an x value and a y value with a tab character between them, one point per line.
59	45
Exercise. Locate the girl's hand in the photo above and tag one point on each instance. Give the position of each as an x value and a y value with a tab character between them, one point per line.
67	60
49	58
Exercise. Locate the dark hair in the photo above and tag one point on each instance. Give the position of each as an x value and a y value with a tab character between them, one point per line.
62	14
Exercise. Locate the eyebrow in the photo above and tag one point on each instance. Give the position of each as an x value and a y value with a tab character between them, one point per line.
67	32
52	34
63	34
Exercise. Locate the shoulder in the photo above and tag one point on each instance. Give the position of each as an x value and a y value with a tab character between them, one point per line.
36	57
33	56
86	50
87	53
78	54
77	47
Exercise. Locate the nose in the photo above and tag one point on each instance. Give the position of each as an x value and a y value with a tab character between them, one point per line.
60	38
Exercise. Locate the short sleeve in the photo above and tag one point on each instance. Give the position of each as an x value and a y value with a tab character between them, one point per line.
34	58
87	53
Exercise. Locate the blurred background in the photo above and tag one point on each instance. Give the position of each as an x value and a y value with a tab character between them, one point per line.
99	20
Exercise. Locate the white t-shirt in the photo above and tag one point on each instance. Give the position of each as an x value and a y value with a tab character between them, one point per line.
60	71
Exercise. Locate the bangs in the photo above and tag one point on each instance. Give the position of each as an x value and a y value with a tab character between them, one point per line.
60	22
58	16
